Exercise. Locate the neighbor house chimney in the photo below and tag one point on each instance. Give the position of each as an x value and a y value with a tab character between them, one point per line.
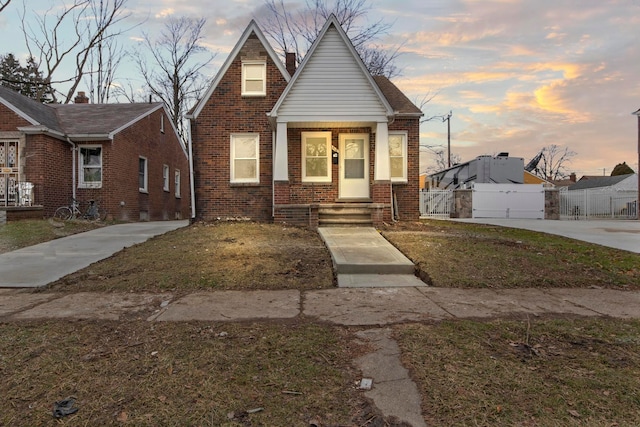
81	98
290	62
572	177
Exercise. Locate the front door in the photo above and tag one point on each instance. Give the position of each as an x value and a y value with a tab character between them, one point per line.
8	172
354	166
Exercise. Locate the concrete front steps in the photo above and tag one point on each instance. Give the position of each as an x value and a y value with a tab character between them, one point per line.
345	215
363	258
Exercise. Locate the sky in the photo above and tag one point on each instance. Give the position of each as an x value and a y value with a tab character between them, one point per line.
517	75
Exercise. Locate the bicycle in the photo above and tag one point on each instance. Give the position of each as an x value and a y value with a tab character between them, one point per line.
92	213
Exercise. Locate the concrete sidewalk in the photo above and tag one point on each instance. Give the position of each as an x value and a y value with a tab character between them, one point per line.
37	265
618	234
348	306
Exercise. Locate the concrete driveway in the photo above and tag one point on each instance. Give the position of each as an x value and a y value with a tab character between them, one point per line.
619	234
37	265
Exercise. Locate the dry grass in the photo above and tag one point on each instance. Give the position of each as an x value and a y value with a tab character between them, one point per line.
544	373
164	374
583	372
218	256
455	255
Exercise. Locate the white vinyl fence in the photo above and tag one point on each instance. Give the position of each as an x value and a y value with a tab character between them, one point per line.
436	203
598	204
508	201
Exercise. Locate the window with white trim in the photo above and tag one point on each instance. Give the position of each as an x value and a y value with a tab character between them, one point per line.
90	166
176	182
142	174
165	177
254	78
245	164
316	156
398	156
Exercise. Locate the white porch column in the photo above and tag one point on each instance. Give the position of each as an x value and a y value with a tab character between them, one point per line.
382	167
280	157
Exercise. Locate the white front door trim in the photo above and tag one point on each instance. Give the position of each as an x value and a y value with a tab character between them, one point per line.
354	165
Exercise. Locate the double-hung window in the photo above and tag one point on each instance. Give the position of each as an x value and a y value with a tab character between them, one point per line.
90	167
176	180
398	156
165	177
245	159
254	78
316	156
142	174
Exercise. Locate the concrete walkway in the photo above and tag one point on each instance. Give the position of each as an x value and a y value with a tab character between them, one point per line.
37	265
362	258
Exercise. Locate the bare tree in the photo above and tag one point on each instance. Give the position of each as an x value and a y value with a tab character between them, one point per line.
88	21
296	32
104	58
439	161
174	74
3	4
554	161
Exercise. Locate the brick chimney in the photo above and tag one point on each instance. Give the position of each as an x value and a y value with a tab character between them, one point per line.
81	98
290	62
572	177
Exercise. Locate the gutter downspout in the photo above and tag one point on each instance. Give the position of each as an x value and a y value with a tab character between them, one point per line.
73	168
192	181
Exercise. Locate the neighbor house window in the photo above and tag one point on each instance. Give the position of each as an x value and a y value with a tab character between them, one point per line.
254	78
90	166
398	156
142	174
176	181
316	156
245	163
161	123
165	177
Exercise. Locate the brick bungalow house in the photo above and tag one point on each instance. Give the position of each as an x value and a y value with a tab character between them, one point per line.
325	143
128	157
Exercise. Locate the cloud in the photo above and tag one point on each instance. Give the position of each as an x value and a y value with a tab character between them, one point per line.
165	13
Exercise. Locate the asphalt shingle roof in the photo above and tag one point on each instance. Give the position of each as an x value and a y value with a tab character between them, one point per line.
598	181
43	114
78	119
98	119
398	100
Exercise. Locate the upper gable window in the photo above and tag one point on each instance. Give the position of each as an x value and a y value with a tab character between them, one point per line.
254	78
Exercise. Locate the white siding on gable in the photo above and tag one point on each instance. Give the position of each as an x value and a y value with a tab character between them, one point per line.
332	84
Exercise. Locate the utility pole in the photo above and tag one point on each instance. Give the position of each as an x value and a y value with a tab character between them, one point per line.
448	120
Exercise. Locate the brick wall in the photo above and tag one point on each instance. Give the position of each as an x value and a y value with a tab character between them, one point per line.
120	194
10	121
47	163
406	194
227	112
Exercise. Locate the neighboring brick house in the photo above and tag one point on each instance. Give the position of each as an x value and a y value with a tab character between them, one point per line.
325	143
128	157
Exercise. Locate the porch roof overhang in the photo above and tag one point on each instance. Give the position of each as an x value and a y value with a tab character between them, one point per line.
308	121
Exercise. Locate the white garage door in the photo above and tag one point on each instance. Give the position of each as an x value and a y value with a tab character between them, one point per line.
508	201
